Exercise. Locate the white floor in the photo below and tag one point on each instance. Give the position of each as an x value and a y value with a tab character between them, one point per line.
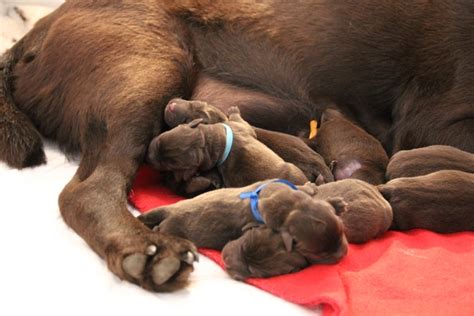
45	268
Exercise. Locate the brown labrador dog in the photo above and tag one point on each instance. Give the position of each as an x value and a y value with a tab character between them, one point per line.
260	253
290	148
191	149
351	151
214	218
441	201
425	160
95	76
367	215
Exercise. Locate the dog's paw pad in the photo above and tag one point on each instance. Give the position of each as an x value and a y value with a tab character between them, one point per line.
163	270
134	265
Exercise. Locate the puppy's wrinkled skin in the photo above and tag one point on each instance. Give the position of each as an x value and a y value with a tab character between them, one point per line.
214	218
441	201
290	148
260	252
352	151
366	214
94	76
191	149
425	160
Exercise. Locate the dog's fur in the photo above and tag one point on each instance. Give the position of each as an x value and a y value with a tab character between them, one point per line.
290	148
191	149
260	252
95	76
441	201
351	151
367	214
422	161
214	218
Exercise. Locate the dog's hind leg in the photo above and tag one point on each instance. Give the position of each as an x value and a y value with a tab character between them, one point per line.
20	142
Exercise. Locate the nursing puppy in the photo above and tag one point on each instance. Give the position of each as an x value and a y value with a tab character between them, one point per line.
425	160
191	149
366	216
441	201
260	252
290	148
214	218
352	151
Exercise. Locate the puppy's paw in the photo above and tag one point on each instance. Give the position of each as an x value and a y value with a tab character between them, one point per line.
154	261
233	110
339	204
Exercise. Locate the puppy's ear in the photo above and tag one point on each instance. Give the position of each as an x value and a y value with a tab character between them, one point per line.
194	123
339	205
287	240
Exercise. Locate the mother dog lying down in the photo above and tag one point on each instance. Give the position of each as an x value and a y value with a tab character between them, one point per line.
95	75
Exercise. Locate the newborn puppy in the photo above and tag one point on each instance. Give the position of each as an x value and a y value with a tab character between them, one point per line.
351	151
260	253
290	148
367	214
425	160
441	201
189	150
212	219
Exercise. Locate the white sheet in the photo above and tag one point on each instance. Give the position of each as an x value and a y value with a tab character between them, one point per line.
46	268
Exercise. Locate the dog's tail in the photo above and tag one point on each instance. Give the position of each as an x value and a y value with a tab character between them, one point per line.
20	142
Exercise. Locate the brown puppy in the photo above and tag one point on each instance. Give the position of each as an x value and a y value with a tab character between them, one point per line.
367	214
210	220
191	149
260	253
351	150
441	201
95	76
290	148
425	160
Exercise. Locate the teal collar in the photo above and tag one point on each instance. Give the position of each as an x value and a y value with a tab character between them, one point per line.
229	140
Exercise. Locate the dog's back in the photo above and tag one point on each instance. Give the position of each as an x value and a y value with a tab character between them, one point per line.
425	160
441	201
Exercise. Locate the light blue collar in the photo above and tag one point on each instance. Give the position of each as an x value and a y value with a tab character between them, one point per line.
229	140
254	195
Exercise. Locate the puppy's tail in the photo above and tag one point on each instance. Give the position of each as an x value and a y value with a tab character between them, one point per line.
20	142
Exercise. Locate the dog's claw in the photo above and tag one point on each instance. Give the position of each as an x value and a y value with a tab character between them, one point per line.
165	269
151	250
134	265
190	257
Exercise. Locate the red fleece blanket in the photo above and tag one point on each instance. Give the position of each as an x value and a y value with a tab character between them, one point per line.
413	273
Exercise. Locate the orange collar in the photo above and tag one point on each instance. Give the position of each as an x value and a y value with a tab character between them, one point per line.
313	129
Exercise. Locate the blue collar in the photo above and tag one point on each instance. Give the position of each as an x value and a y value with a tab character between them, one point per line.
253	196
229	140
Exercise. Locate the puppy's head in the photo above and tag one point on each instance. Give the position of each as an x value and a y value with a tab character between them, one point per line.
179	111
260	252
331	114
316	232
180	150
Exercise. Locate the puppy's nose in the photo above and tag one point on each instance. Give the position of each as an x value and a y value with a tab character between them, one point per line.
173	103
170	107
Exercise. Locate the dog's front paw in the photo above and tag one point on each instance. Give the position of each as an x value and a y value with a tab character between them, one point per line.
155	261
